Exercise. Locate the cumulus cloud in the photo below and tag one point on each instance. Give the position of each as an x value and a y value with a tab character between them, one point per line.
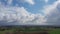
10	15
14	15
52	13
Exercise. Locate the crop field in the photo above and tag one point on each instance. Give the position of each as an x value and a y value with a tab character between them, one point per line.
29	30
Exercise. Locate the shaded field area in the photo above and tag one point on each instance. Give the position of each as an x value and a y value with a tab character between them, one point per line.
29	30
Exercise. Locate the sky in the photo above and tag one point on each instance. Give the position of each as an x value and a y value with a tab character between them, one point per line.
29	12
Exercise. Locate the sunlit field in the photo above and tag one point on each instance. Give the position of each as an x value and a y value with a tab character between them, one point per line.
29	30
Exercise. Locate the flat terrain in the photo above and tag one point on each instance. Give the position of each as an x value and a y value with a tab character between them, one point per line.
55	31
29	30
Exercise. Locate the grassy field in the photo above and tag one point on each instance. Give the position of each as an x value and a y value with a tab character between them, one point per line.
55	31
33	30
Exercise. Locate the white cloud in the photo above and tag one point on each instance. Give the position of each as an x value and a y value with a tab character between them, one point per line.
46	1
30	1
9	1
19	15
22	1
52	13
48	8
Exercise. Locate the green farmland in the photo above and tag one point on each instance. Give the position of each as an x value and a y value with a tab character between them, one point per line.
55	31
29	30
